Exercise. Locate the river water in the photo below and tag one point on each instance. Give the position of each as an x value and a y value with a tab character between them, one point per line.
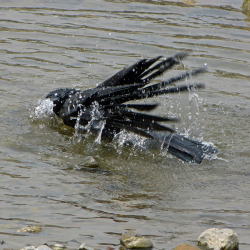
44	176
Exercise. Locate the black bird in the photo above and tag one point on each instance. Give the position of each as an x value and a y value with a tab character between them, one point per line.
105	108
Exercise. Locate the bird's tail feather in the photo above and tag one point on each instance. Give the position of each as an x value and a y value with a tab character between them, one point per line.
187	149
184	148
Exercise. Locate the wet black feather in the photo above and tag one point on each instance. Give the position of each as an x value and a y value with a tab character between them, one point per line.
108	103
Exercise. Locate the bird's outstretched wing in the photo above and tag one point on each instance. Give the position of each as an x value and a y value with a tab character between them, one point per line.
143	71
133	83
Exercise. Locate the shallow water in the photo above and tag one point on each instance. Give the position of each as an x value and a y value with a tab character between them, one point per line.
44	179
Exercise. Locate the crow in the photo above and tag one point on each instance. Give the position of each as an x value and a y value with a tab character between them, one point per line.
105	108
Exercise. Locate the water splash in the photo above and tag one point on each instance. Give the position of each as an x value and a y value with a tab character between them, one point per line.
99	135
93	128
186	106
213	155
194	119
126	138
43	110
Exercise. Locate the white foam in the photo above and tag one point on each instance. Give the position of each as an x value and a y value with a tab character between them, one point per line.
44	109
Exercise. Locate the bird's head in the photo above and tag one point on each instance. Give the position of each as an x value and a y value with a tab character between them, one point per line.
59	96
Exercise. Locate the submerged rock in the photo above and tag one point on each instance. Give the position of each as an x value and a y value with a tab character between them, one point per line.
132	240
246	6
186	247
90	162
219	239
30	229
85	246
57	246
43	247
29	248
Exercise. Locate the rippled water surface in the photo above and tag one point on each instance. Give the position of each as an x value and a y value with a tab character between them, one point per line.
44	176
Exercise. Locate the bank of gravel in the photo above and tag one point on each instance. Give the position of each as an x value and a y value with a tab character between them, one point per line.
211	239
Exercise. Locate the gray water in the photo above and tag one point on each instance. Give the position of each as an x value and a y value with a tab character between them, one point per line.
44	179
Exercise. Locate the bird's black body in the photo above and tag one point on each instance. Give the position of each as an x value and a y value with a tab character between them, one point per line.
106	106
